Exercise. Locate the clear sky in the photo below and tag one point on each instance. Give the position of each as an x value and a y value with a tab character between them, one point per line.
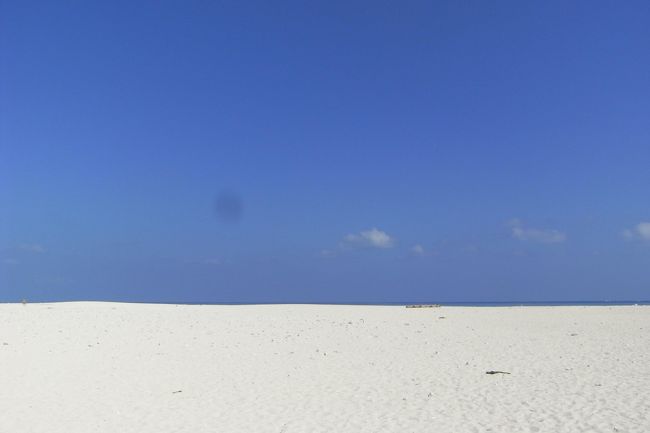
324	151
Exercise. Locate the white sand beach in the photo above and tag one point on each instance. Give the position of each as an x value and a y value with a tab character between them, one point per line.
110	367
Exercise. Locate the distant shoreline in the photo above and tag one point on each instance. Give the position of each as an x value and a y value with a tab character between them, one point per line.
382	304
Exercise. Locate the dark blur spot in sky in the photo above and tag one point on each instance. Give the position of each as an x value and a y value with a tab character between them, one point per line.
229	207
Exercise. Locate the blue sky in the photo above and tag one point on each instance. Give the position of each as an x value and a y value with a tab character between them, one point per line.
365	151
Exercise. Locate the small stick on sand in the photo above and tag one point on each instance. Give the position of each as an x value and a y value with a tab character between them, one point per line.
496	372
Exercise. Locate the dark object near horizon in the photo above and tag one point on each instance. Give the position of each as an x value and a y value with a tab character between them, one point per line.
423	306
496	372
228	207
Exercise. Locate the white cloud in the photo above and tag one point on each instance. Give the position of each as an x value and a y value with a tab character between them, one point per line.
545	236
32	248
212	262
644	230
327	253
10	262
417	250
373	238
640	231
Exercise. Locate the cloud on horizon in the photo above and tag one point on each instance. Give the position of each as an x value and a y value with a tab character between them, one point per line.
527	234
373	238
327	253
32	248
640	231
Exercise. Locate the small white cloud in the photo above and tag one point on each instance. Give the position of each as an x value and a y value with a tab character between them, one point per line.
545	236
327	254
32	248
640	231
644	230
417	250
373	238
10	262
212	262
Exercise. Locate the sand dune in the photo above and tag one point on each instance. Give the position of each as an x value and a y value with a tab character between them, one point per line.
104	367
